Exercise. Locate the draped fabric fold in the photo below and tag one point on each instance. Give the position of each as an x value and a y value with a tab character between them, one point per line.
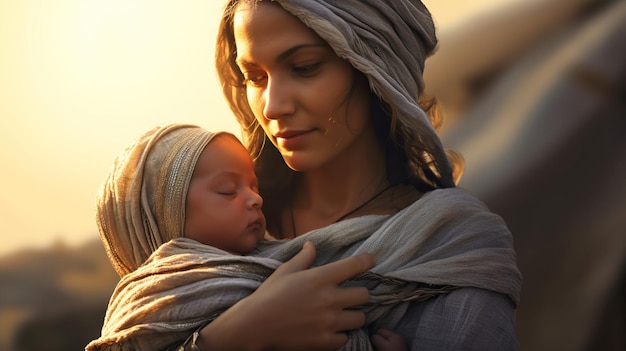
449	240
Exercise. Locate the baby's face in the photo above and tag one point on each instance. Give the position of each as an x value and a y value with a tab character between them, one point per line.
223	207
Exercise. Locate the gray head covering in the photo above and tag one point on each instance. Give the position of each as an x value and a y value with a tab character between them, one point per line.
141	203
388	41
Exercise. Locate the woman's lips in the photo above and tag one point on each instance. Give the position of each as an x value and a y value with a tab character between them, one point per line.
291	139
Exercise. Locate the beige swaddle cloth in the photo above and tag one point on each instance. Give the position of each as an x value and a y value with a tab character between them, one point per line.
141	204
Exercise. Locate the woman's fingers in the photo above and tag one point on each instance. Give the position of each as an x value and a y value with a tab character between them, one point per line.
329	276
335	272
349	320
344	269
352	296
301	261
302	307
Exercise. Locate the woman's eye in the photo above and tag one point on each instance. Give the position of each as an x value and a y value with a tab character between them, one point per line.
254	79
306	69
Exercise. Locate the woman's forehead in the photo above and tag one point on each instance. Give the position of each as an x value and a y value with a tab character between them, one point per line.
268	28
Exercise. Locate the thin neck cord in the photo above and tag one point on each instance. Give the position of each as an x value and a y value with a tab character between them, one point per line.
344	216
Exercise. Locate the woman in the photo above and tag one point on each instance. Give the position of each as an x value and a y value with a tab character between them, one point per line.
325	92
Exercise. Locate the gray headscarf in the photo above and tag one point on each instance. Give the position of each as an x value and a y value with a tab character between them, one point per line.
388	41
141	203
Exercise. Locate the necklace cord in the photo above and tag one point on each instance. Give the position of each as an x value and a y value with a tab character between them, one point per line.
344	216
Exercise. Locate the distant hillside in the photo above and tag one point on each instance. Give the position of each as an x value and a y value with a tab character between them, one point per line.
54	299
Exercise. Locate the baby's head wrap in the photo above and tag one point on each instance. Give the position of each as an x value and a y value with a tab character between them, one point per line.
141	203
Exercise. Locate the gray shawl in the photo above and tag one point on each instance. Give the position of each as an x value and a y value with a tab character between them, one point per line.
446	238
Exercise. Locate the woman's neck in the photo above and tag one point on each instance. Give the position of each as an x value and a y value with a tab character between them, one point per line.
328	201
350	183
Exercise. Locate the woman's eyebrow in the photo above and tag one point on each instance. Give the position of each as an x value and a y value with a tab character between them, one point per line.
293	50
283	56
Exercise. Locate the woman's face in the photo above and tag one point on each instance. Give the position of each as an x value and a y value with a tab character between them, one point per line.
309	101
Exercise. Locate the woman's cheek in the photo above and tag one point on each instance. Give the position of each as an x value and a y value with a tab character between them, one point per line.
255	102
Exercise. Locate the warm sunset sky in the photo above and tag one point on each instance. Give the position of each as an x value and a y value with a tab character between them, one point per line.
80	79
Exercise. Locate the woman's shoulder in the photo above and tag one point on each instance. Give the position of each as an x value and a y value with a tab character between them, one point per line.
449	194
448	200
456	211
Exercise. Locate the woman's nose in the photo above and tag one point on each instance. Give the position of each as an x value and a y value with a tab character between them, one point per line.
279	101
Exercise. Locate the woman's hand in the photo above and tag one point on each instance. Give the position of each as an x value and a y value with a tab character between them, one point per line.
296	308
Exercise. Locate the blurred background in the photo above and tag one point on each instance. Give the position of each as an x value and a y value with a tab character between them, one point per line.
534	93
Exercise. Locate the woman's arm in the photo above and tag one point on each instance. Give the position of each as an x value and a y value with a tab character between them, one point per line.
297	308
464	319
